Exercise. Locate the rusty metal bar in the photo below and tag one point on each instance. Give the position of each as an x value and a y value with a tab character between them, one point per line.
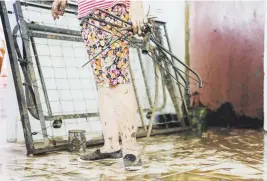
137	100
187	47
17	79
41	75
43	28
170	85
26	45
172	55
72	9
145	78
187	35
56	37
179	86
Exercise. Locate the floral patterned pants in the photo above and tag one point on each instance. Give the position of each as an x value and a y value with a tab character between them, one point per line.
111	67
117	104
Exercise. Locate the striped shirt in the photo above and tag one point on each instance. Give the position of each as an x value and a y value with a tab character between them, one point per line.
86	6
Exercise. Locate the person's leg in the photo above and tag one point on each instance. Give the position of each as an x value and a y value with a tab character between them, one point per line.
108	121
123	94
111	148
126	113
113	70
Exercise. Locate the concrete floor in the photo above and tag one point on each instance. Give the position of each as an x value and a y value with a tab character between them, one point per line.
221	155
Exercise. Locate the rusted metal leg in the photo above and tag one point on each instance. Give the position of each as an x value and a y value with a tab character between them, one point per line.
137	100
17	79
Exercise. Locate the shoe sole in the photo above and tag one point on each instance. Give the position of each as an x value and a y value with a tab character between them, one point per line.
133	168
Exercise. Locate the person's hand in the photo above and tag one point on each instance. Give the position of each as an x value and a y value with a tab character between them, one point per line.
58	8
137	27
137	15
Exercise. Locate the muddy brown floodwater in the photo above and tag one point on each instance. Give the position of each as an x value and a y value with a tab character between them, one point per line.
221	155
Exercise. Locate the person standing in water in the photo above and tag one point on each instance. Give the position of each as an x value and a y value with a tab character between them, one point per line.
117	103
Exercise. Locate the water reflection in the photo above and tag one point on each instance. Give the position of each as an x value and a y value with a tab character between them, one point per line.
220	154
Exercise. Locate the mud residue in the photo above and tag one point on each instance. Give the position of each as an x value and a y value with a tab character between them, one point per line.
167	120
225	116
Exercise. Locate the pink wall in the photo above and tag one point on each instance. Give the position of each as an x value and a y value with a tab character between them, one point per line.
226	48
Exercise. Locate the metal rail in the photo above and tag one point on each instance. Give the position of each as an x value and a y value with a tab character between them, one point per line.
17	78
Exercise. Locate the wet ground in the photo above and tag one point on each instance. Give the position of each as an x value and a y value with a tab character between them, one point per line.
219	156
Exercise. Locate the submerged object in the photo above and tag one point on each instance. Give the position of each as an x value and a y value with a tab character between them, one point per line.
77	141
